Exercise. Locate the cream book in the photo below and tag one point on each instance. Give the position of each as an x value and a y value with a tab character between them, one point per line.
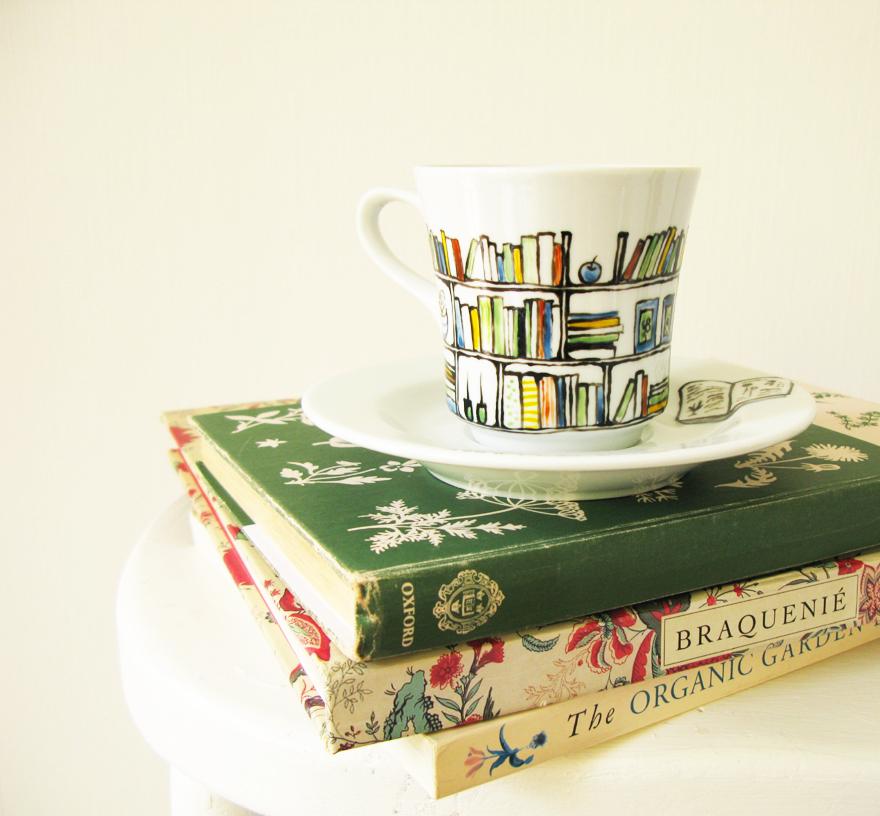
451	761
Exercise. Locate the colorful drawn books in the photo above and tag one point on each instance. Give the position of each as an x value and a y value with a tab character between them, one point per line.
544	259
391	561
538	260
657	255
530	330
803	616
592	335
641	398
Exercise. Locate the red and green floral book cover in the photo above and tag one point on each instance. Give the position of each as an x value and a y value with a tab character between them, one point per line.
393	561
483	678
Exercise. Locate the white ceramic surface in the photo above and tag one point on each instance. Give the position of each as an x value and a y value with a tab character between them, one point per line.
396	409
556	290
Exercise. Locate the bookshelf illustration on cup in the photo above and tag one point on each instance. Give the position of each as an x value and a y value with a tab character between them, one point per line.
552	338
533	348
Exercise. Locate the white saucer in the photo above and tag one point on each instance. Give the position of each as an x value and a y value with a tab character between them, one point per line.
400	409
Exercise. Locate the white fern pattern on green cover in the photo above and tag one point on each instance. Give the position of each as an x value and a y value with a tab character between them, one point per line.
764	464
293	413
344	472
545	507
398	524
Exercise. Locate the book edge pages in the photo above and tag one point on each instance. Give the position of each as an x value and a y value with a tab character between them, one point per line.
324	581
216	544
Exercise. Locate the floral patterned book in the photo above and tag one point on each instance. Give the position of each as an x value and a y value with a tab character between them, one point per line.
392	561
479	680
452	760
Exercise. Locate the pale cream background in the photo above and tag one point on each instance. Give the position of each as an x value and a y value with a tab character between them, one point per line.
177	187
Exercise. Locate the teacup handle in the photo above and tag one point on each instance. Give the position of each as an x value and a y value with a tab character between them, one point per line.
371	204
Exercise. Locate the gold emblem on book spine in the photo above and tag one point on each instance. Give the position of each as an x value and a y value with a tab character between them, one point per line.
466	602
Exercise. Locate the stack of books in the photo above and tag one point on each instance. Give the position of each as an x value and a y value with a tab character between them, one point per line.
596	333
486	635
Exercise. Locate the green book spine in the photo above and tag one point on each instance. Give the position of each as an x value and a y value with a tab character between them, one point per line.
528	307
498	324
530	259
582	405
484	308
592	339
625	400
473	251
383	538
648	257
507	256
514	332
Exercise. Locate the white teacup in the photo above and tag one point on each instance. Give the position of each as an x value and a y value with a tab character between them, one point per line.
556	289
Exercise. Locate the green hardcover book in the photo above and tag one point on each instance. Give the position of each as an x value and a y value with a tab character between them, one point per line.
401	562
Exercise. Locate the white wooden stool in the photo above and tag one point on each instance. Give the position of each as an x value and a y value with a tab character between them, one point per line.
209	698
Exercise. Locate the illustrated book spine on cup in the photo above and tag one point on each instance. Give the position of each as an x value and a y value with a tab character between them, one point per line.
393	561
481	678
453	760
